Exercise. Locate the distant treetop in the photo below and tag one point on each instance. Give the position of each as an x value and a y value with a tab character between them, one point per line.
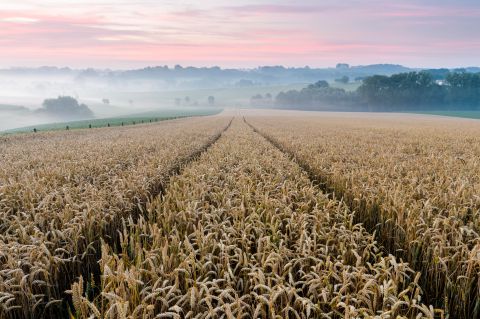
343	66
66	107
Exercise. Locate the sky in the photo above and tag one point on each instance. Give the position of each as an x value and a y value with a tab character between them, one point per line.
123	34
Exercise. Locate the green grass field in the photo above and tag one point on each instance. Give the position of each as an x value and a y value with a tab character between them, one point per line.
464	114
148	117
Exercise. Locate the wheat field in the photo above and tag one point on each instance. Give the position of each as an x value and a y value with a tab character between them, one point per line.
243	215
414	181
62	193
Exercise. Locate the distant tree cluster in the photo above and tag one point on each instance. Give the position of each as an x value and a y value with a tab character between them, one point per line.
343	66
259	100
414	90
65	107
344	79
187	101
316	96
211	100
400	92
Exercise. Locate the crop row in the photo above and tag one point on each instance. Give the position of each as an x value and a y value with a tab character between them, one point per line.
413	181
243	233
61	193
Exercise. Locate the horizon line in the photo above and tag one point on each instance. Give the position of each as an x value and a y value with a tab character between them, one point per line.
185	66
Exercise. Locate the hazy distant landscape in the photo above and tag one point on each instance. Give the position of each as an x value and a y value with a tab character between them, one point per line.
254	159
109	93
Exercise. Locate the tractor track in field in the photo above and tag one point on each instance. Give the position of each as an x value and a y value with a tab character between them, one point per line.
318	181
90	266
374	225
159	190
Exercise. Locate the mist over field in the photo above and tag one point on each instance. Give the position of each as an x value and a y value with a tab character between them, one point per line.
112	93
105	93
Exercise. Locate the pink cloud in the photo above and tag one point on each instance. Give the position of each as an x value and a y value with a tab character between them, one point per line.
296	34
422	11
282	9
54	31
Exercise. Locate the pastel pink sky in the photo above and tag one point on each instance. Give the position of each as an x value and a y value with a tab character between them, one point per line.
126	34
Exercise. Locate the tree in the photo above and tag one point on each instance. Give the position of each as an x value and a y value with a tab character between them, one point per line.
317	96
411	91
65	107
211	100
244	83
256	100
344	79
342	66
463	89
319	84
420	91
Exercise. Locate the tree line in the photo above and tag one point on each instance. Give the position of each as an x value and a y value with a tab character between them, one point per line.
399	92
318	96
